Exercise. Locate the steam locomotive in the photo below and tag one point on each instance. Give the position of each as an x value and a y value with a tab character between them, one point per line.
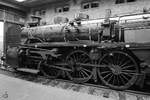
115	51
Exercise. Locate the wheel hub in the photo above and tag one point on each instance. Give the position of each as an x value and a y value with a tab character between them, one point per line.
116	69
75	66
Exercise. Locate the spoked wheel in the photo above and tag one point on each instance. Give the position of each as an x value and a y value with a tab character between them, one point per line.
120	70
78	63
47	70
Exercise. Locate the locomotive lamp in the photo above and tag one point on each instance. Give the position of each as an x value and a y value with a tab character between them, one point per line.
20	0
127	46
35	46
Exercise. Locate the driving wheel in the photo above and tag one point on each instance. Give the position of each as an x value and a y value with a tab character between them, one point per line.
78	63
48	70
118	70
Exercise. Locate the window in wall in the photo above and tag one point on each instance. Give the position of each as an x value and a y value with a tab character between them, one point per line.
120	1
94	4
86	6
90	5
58	10
62	9
43	12
39	12
124	1
131	0
66	8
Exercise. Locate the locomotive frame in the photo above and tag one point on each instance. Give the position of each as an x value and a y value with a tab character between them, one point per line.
116	63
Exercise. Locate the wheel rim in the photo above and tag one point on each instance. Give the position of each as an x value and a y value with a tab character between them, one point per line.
80	73
48	71
120	70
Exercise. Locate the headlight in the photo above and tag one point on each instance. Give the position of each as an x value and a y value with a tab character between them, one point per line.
127	45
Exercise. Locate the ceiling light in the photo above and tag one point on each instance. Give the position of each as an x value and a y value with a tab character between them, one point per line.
20	0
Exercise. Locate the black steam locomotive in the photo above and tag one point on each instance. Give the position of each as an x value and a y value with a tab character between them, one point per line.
115	50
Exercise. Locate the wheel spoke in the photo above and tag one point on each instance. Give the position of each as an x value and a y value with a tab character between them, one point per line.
106	75
123	75
86	70
113	59
118	59
83	57
106	62
110	78
129	71
71	59
129	74
117	79
122	80
80	75
110	60
80	57
74	58
113	79
105	72
84	73
85	60
122	61
126	67
125	63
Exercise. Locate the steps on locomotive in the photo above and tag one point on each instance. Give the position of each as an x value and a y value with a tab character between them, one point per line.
29	70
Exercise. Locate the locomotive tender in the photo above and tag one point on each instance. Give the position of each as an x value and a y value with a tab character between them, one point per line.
81	50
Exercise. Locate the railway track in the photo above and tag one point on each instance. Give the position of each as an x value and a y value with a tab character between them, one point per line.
88	88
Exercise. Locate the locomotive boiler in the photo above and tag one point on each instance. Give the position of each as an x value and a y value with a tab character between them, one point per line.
83	50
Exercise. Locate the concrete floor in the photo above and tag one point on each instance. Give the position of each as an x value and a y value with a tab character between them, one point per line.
17	89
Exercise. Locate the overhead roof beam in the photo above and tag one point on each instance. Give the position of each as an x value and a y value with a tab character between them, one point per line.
15	6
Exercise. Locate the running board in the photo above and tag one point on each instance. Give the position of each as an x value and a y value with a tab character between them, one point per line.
34	71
